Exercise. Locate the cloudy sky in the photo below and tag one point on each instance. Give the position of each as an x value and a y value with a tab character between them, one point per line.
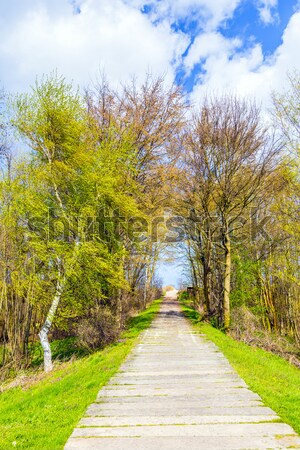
245	46
242	46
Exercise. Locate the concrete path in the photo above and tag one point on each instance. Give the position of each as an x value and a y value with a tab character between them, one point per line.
177	391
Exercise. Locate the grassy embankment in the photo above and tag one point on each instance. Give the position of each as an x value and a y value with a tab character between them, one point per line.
43	416
272	377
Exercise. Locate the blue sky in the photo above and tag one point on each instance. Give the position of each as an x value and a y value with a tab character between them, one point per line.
245	46
246	24
242	46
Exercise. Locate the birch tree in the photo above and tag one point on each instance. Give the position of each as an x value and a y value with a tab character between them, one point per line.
81	177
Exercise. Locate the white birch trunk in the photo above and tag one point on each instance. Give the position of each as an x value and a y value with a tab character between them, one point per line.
43	334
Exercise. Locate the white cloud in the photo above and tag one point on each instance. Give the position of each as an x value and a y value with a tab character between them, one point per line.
248	73
208	45
267	10
210	13
38	36
106	34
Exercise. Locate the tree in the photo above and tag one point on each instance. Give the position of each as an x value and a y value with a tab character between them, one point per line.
82	179
284	265
154	116
287	114
229	156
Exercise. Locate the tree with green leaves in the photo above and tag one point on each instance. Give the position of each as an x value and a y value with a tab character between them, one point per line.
82	179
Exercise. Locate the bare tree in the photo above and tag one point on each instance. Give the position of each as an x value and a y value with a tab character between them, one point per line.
5	131
155	115
229	155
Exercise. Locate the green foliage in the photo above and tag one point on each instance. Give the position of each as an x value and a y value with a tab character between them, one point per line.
245	285
183	296
58	212
52	120
62	350
188	309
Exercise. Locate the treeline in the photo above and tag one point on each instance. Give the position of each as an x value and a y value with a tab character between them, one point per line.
240	192
99	180
76	251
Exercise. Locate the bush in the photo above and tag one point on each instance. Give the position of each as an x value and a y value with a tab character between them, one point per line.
247	327
244	324
98	329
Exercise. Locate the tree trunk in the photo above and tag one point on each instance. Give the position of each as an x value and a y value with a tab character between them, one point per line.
146	287
206	262
227	274
43	334
206	287
196	301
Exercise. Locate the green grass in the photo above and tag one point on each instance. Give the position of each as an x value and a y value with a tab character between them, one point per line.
43	416
62	350
272	377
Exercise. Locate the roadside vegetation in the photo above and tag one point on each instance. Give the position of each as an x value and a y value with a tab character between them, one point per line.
273	378
240	190
76	204
95	185
42	414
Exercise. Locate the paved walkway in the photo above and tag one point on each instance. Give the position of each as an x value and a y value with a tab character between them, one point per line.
177	391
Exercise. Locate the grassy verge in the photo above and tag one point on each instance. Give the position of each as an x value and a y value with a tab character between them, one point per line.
43	416
273	378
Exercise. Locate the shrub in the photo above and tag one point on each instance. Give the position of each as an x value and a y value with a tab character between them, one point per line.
247	327
99	328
